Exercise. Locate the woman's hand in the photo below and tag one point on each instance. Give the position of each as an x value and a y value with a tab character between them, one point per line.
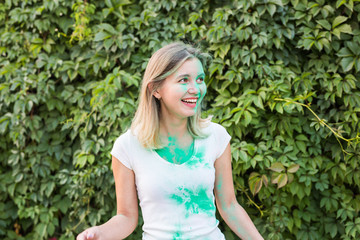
92	233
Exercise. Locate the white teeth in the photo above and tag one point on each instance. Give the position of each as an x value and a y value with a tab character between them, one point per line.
190	101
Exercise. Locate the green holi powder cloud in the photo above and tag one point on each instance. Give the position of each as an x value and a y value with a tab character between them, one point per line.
196	201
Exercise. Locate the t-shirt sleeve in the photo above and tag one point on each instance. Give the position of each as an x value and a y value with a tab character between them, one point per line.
222	139
119	151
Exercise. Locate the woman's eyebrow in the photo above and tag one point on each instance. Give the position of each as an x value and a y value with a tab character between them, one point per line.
183	75
187	75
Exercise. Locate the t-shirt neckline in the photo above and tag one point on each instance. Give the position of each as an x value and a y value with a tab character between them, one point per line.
177	164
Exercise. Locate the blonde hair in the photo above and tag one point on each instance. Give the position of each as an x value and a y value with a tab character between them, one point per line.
164	62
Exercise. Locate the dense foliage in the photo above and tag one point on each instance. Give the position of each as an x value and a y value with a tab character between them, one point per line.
284	81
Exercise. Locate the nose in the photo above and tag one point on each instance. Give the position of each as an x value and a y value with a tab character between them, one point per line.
193	88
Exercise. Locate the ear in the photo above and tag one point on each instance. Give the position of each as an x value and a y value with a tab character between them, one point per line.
157	95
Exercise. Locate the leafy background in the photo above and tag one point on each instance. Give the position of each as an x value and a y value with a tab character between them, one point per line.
284	81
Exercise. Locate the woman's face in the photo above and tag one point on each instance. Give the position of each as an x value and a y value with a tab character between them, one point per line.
182	92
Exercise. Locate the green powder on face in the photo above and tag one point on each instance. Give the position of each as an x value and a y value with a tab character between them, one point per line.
202	95
201	89
196	201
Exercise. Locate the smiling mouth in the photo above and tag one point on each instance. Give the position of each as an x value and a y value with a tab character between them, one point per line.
191	101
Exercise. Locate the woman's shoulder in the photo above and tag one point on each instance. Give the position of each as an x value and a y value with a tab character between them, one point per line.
126	138
212	127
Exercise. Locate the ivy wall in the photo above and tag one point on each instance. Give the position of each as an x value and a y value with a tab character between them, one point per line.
284	81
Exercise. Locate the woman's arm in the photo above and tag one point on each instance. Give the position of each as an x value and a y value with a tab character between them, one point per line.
230	210
124	223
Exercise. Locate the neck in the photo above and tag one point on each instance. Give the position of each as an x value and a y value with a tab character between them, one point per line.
173	127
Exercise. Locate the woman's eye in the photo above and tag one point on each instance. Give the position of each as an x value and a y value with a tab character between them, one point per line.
200	79
183	80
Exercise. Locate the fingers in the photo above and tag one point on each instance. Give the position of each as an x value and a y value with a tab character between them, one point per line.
82	236
88	234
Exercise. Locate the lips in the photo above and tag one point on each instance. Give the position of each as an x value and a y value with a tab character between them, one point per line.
190	100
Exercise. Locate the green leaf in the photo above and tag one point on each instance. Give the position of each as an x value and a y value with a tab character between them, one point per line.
224	48
255	183
41	229
302	137
271	8
290	224
339	3
347	63
277	2
109	3
345	28
265	180
37	41
308	43
324	23
275	177
357	65
107	27
301	145
293	168
19	177
49	189
101	36
354	47
338	20
295	2
283	178
248	118
277	167
91	159
64	204
345	52
81	161
51	229
279	108
290	177
243	155
258	102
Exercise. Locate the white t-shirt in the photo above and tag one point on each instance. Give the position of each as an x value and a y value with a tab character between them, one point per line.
177	200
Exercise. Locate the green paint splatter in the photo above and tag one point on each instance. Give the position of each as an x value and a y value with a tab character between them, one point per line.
197	201
198	159
179	234
175	154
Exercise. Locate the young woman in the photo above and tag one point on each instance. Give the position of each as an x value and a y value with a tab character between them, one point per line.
173	161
